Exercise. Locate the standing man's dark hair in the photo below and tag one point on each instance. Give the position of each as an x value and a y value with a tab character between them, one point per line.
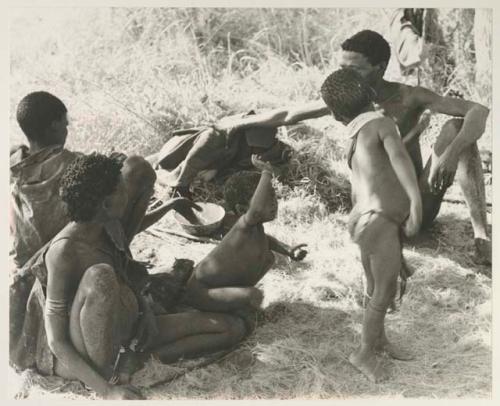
37	111
370	44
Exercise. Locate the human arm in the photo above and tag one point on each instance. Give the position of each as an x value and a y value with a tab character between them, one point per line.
419	128
61	288
256	213
275	118
296	253
180	204
474	117
405	172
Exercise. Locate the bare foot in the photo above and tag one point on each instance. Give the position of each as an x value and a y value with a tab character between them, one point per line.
394	352
369	365
483	251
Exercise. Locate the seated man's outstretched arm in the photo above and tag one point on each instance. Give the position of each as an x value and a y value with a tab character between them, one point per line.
276	118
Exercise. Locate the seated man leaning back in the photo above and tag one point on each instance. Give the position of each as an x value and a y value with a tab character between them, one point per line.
91	303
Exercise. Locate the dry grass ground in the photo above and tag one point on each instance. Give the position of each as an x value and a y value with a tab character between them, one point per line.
127	87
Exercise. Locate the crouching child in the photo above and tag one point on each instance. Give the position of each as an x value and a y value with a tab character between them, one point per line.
225	279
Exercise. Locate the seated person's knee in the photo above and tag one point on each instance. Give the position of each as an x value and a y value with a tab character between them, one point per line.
100	279
138	169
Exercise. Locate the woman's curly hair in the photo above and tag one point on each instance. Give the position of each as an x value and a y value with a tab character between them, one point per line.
85	184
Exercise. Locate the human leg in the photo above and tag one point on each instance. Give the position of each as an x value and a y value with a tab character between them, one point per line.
139	177
384	253
471	180
191	334
222	299
208	150
102	318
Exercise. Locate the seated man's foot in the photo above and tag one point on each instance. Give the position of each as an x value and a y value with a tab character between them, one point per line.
180	191
369	365
393	351
483	251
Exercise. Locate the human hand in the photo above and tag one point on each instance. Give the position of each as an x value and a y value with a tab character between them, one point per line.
123	392
443	169
424	120
414	220
298	253
260	164
146	331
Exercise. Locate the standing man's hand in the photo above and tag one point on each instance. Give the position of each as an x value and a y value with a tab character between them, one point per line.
414	220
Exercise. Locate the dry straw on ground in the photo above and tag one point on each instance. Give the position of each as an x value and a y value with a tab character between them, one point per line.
153	70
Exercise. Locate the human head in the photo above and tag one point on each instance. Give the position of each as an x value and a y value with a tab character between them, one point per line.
42	117
93	187
346	94
239	190
368	53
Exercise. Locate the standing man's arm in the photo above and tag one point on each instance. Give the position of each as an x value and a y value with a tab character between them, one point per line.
405	172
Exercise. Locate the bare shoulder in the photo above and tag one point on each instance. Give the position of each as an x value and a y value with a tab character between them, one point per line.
63	254
380	128
377	125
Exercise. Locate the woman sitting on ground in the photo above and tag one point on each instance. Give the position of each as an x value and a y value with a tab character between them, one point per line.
92	307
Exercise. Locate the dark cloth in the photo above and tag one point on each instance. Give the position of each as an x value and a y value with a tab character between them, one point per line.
37	210
191	151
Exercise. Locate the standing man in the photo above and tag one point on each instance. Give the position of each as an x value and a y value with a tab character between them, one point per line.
455	151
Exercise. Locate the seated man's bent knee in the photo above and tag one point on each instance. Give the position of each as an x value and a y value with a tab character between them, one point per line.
138	172
449	131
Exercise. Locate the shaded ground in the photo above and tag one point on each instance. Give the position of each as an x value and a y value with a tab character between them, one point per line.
312	319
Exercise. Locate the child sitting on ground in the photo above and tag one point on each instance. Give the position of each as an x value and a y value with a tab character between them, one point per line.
225	279
386	201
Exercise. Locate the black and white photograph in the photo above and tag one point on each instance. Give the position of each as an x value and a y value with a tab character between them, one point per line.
256	202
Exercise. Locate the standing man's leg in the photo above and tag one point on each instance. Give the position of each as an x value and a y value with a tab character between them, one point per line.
381	243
